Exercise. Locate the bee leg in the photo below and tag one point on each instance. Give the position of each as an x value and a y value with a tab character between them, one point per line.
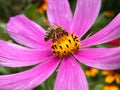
54	38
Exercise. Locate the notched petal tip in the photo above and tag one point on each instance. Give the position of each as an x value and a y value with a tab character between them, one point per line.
13	21
26	32
14	17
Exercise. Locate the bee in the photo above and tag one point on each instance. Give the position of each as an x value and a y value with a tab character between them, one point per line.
54	32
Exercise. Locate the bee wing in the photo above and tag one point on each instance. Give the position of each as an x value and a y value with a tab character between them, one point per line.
49	33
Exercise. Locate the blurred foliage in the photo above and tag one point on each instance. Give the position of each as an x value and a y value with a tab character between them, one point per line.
8	8
113	5
11	7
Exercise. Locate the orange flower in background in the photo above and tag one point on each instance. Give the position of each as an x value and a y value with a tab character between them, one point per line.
42	6
110	87
91	72
109	13
112	76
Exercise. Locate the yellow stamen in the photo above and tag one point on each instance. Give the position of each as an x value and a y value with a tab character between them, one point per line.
65	45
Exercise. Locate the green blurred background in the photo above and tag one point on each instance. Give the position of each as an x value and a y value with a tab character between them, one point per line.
36	10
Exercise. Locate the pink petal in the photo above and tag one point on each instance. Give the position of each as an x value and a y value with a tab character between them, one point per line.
26	32
59	13
13	55
110	32
102	58
70	76
85	14
29	79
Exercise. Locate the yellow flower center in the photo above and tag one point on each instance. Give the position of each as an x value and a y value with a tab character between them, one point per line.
65	45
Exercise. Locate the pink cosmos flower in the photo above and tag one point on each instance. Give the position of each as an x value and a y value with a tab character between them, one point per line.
49	55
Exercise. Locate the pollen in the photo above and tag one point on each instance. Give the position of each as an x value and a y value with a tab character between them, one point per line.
65	45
